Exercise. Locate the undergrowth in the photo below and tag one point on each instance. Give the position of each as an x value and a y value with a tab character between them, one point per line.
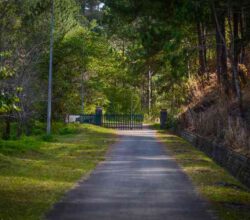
212	114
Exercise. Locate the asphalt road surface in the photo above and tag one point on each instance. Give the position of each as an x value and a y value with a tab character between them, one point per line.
138	181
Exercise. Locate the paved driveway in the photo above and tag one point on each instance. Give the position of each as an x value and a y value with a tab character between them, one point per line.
138	181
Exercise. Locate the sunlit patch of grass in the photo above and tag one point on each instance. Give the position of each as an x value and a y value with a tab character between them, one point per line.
34	174
227	195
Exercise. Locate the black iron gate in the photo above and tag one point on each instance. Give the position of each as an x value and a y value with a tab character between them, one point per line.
130	121
117	121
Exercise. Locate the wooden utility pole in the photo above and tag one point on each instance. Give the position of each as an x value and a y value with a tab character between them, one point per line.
50	70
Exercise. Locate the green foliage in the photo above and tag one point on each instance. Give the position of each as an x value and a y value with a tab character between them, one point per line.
70	129
154	41
123	100
24	145
8	95
8	102
48	138
102	56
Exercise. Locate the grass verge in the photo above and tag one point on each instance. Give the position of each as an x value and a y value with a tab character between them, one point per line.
36	171
228	196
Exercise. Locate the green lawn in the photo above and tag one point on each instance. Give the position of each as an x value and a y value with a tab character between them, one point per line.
229	198
35	174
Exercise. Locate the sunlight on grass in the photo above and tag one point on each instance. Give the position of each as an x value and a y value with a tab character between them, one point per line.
227	195
35	174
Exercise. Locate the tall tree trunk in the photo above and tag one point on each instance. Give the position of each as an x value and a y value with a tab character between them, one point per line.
149	90
1	45
221	50
223	58
230	53
242	34
92	5
202	49
233	56
83	6
241	45
6	133
19	129
188	66
234	41
150	73
218	57
143	95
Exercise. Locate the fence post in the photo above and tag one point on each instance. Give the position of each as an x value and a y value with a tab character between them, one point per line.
164	115
98	116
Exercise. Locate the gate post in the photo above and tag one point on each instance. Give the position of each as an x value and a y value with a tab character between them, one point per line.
98	116
163	118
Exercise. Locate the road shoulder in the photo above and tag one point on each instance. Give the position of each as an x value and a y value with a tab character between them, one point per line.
228	197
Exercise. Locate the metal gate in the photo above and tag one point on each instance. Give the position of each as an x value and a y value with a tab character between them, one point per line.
126	122
117	121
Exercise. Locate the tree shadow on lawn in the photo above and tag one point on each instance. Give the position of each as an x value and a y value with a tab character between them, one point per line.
34	177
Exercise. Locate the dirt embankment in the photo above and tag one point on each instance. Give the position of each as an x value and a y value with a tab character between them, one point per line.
213	114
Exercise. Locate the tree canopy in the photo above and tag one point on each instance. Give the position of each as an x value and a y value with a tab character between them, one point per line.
135	55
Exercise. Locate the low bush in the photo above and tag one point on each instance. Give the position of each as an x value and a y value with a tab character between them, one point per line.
49	138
